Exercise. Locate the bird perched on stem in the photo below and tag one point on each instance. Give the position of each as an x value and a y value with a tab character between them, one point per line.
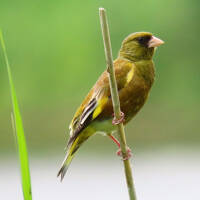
134	71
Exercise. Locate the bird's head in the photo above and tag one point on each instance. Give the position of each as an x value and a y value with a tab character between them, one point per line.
139	46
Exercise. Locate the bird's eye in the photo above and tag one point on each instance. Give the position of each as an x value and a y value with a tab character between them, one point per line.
143	40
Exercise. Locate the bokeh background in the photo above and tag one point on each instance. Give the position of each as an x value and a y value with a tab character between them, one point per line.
56	54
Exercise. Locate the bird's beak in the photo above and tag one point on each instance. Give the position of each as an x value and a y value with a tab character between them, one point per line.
155	42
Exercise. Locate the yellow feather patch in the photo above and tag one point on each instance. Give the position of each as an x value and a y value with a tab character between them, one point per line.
129	75
99	108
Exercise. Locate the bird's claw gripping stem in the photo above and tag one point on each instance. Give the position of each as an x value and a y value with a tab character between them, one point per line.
129	153
116	121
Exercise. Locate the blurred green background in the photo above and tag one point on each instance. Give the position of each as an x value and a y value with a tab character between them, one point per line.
56	54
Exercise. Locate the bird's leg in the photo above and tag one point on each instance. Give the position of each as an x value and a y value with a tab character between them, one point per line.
119	151
114	140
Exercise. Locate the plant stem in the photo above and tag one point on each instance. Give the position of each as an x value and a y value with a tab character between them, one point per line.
115	101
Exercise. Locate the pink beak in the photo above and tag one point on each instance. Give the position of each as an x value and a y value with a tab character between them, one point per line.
155	42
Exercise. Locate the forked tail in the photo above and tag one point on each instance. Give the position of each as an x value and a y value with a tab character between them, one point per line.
68	158
71	149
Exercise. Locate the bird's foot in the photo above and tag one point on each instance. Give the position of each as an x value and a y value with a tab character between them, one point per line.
119	152
116	121
128	153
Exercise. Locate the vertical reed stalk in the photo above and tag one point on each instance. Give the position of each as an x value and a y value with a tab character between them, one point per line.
115	101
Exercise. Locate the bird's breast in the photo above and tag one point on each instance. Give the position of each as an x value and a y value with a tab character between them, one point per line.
135	94
133	101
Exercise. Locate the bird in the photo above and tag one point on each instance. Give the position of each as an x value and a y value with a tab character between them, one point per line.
135	74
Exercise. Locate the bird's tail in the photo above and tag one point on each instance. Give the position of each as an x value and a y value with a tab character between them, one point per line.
71	149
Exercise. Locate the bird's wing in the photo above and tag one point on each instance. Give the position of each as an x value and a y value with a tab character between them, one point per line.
97	98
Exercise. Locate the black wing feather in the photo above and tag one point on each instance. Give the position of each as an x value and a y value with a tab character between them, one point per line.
85	119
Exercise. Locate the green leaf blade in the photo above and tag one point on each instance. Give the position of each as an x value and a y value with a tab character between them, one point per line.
21	141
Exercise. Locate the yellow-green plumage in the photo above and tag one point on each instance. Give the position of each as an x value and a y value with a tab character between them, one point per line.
134	70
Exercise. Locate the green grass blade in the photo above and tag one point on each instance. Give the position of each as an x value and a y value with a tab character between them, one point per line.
21	141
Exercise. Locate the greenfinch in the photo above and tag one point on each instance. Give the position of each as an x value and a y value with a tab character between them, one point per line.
134	71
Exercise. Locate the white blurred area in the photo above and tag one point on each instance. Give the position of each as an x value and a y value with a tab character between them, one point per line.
167	174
